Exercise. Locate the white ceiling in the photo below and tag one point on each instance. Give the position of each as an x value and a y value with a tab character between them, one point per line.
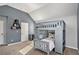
42	11
54	10
27	7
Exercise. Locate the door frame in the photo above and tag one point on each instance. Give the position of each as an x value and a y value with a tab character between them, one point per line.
4	26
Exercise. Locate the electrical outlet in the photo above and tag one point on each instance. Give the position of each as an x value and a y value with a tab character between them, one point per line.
11	40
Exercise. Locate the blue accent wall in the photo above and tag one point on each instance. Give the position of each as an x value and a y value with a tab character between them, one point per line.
12	14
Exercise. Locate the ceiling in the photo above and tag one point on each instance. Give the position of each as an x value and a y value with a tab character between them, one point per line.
42	11
27	7
54	10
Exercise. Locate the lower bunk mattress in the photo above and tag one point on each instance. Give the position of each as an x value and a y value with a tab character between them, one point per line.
44	45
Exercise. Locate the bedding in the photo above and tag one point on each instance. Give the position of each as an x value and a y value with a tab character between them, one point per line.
51	43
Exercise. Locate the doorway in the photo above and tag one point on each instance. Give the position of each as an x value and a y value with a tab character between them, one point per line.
2	30
24	31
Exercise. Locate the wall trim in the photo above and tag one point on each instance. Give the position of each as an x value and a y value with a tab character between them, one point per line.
14	43
72	47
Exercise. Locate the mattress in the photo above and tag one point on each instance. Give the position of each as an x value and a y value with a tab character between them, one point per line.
51	43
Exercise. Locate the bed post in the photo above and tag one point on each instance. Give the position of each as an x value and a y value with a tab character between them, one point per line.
48	53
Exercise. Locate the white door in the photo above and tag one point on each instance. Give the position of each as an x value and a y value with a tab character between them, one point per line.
2	22
24	31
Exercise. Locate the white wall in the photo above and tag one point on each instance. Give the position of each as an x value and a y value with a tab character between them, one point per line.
71	29
59	11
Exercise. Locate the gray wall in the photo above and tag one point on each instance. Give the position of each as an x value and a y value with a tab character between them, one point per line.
60	11
78	26
12	14
71	29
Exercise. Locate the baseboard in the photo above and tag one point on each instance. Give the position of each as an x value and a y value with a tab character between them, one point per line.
3	44
14	43
71	47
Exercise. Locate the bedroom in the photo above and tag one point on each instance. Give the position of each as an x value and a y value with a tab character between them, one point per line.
41	13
